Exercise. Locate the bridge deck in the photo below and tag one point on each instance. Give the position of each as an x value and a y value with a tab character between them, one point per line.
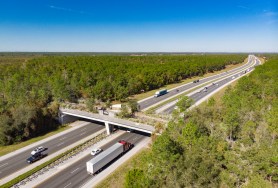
108	119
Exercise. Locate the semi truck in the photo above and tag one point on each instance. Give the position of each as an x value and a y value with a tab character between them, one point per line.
96	164
161	92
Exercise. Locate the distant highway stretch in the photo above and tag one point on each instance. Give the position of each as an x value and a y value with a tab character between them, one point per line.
204	92
145	103
76	175
17	162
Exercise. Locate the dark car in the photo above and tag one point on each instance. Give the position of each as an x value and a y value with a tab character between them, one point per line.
105	112
196	81
35	157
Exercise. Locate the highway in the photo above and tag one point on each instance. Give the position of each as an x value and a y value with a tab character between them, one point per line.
204	92
18	162
152	100
76	175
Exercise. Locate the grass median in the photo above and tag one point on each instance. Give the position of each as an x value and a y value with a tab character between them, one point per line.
185	81
38	168
10	148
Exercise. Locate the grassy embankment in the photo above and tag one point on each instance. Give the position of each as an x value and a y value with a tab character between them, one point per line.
10	148
171	86
116	179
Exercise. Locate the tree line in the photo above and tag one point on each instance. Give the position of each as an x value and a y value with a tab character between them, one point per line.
231	143
30	91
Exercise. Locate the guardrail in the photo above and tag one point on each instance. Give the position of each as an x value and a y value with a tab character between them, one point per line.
52	163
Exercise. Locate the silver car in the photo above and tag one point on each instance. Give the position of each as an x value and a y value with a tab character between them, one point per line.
96	151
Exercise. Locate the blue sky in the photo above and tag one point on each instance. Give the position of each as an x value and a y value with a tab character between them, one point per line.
139	25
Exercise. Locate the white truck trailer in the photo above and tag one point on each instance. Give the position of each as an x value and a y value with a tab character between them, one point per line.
97	163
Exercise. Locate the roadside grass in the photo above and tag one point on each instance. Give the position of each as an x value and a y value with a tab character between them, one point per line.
117	178
171	86
7	149
262	60
218	95
152	109
49	162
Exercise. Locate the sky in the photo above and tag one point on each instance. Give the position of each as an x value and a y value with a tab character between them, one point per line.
139	25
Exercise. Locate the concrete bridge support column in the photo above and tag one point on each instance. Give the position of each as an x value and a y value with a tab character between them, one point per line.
108	128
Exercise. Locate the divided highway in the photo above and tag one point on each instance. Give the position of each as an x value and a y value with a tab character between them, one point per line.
15	163
76	175
146	103
212	87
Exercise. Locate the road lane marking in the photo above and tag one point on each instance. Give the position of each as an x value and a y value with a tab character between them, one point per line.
74	170
60	144
4	164
67	185
82	133
83	129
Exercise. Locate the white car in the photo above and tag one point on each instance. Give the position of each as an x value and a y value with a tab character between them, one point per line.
233	77
38	150
96	151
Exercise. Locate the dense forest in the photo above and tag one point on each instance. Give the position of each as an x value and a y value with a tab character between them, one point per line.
231	142
31	90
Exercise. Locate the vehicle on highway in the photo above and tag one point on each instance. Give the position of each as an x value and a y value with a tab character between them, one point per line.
196	81
36	157
38	150
96	164
105	112
161	92
205	89
96	151
233	77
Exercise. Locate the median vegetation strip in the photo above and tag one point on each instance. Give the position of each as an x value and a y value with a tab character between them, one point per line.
10	148
152	109
39	170
185	81
58	79
231	144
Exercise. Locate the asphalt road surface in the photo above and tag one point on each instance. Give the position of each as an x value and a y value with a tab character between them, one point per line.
199	95
76	175
151	101
18	162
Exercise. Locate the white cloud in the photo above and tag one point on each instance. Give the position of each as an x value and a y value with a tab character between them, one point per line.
67	9
269	13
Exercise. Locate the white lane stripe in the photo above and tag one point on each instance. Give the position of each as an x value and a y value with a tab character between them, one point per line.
60	144
82	133
4	164
67	185
74	170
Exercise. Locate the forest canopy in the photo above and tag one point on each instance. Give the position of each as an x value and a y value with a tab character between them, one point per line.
232	143
31	90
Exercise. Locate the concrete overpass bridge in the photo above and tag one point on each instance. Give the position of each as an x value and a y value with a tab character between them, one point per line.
69	115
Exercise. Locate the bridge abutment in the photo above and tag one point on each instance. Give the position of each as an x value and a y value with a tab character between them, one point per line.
64	118
109	128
